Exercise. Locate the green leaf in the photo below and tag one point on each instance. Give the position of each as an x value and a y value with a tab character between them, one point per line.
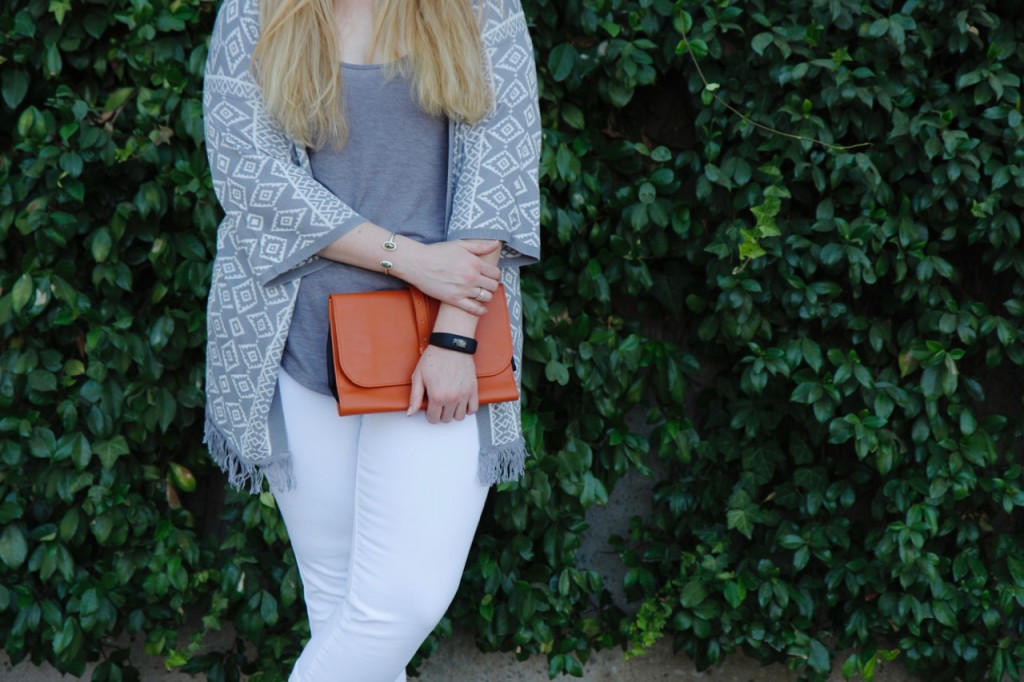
108	451
944	613
561	61
76	447
117	99
556	665
741	520
52	59
564	583
801	557
1016	568
13	548
102	526
182	477
735	593
682	21
611	28
556	372
22	292
850	666
761	42
878	28
14	86
167	408
593	491
59	8
101	245
42	381
930	383
749	247
817	657
573	666
573	116
661	154
290	587
620	94
693	594
567	163
950	376
43	443
69	524
812	353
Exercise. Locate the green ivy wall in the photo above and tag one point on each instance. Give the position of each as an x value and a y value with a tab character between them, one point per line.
813	333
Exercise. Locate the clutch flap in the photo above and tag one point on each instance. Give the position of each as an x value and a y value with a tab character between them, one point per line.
379	335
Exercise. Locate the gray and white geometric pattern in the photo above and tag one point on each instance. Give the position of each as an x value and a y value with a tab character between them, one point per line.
277	217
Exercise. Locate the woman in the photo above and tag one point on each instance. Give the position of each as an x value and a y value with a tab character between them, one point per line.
359	145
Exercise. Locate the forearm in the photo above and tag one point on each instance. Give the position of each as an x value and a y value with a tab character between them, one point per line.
363	246
454	320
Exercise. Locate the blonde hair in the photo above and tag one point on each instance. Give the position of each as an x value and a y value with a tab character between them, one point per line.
298	66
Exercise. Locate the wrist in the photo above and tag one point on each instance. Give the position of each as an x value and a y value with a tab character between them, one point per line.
453	342
405	258
455	321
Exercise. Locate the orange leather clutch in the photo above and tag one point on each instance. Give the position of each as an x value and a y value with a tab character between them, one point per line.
376	338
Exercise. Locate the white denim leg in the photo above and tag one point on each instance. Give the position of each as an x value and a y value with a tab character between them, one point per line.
318	511
413	503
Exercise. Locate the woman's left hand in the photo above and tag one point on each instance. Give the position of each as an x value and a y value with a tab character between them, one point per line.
447	379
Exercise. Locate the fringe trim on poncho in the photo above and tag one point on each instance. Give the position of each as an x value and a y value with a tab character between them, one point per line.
500	465
497	465
243	475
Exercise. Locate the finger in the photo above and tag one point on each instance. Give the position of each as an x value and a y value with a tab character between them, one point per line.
481	295
433	411
481	248
460	411
477	248
469	305
491	272
474	400
447	413
415	395
487	284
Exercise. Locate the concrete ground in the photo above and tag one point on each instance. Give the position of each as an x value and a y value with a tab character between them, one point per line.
458	660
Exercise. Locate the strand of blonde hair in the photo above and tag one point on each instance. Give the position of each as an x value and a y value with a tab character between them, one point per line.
297	62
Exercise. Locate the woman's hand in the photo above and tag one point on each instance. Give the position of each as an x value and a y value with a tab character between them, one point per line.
456	272
448	380
463	273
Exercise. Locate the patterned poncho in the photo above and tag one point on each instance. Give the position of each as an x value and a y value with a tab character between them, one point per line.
277	217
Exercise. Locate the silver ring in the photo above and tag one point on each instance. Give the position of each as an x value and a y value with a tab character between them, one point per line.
479	296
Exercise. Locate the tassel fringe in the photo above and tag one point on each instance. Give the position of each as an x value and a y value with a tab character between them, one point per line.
497	465
500	465
243	475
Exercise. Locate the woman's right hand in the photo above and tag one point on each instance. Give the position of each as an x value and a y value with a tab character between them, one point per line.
453	272
462	273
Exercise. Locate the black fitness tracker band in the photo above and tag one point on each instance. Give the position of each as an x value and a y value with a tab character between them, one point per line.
462	344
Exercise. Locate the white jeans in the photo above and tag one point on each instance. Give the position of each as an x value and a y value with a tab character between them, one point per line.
381	520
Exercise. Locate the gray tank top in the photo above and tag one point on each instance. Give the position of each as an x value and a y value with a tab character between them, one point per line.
393	170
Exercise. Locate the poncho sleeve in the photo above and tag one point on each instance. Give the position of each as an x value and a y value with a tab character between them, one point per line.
277	215
496	195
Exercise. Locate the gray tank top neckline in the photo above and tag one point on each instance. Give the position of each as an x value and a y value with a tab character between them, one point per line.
393	170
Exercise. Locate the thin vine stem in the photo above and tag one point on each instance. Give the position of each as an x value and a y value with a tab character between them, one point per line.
748	119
